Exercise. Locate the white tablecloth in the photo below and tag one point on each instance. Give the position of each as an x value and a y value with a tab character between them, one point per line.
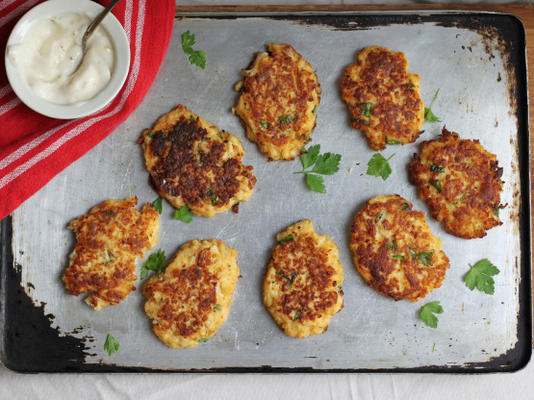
517	386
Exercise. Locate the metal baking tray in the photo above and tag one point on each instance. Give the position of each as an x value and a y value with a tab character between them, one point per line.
478	61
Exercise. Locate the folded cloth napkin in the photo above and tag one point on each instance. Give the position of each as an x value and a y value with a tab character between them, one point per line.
35	148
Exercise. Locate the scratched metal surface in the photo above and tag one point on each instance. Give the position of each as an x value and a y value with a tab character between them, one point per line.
371	331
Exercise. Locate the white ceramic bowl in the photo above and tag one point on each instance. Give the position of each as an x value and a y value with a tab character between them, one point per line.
81	109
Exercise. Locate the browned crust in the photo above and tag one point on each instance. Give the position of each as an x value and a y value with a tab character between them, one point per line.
381	77
188	165
279	97
386	237
470	184
194	286
108	240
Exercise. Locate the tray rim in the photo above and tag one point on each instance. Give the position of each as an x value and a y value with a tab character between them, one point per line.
520	354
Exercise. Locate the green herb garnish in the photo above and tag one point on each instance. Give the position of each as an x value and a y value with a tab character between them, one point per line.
196	57
203	340
183	214
379	166
285	119
436	168
366	109
378	216
424	257
399	256
427	313
436	184
214	197
405	206
286	239
296	315
158	205
109	257
429	115
361	121
156	262
216	307
111	345
323	164
496	211
290	279
480	276
393	141
265	124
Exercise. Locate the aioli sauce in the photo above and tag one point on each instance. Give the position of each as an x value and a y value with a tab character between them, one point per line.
51	51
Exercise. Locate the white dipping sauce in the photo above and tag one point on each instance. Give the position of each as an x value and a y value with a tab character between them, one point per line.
51	51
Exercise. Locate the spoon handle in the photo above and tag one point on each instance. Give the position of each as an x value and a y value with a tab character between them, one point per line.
94	24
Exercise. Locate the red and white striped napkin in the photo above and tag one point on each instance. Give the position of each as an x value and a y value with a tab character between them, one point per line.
35	148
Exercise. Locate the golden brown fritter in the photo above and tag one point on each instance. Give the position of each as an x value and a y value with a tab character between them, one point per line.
302	286
383	98
460	182
109	239
394	250
192	162
192	297
278	102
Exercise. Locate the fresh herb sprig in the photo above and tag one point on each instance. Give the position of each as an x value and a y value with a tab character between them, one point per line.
379	166
111	345
323	164
158	205
480	276
429	115
183	214
427	313
156	262
196	57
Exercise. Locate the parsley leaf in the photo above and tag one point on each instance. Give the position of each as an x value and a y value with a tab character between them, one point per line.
285	119
436	184
183	214
429	115
309	156
111	345
156	262
427	313
327	164
203	340
265	124
424	257
196	57
393	141
287	239
379	166
158	205
399	256
480	276
296	315
188	40
315	183
366	109
496	211
216	307
324	164
436	168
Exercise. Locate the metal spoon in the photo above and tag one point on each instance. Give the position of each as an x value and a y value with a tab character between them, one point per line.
91	28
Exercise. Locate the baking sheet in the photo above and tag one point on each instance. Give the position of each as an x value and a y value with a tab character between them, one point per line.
478	62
